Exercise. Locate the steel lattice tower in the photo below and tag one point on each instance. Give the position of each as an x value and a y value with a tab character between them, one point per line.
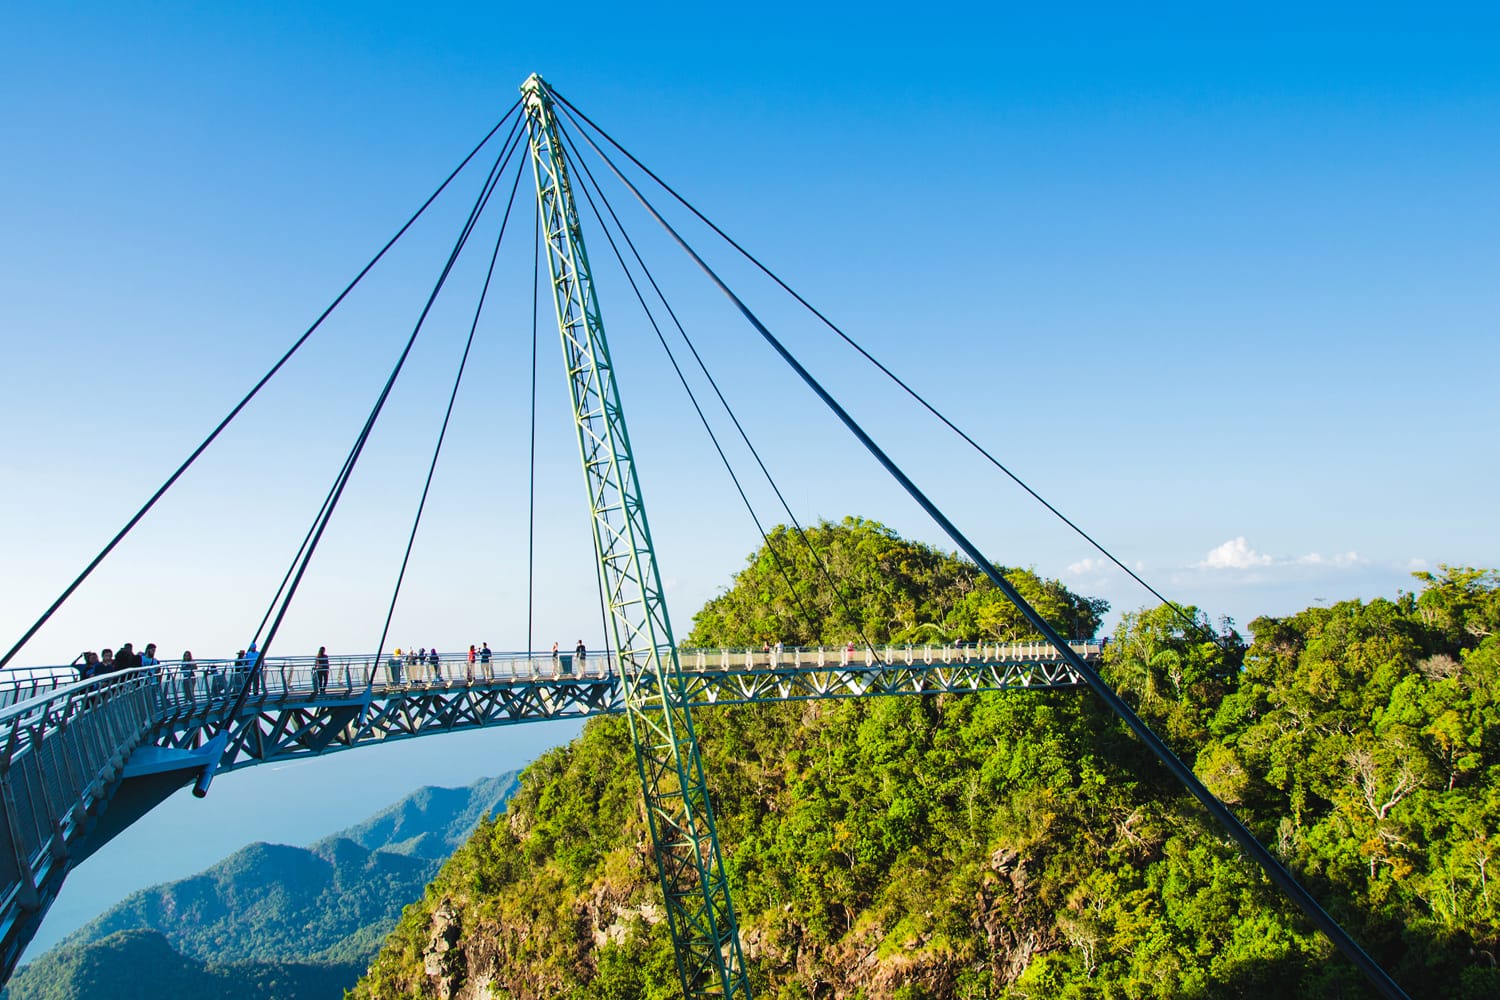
700	914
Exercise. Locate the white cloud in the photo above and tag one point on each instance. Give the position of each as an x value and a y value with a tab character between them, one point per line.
1338	561
1088	567
1234	554
1237	554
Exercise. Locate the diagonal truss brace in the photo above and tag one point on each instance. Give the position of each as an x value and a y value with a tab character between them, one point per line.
705	936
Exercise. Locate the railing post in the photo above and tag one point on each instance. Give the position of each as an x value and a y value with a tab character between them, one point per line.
26	892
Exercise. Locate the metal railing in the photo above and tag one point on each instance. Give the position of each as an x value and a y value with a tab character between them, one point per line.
61	754
23	683
204	681
66	742
777	657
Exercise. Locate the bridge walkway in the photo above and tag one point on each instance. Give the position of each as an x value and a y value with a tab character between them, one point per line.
82	759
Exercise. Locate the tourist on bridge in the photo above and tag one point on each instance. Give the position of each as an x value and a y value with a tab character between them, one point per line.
580	654
188	668
90	665
436	662
320	671
484	657
106	662
555	656
148	658
469	668
256	683
127	658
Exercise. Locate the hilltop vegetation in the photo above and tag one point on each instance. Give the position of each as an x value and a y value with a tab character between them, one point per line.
869	582
1022	844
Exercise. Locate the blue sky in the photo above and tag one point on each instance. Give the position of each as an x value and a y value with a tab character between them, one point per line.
1198	278
1220	284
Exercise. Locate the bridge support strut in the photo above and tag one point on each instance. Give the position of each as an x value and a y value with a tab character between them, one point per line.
705	936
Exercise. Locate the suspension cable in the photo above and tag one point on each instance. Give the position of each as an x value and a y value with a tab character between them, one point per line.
306	539
253	674
536	281
172	479
816	621
1273	868
348	460
1181	612
448	415
681	377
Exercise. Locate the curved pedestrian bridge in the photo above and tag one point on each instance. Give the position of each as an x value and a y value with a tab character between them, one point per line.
83	759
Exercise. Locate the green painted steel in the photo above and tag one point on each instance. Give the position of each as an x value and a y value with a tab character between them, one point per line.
710	960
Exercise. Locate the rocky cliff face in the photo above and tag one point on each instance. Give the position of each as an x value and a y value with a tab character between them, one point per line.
560	899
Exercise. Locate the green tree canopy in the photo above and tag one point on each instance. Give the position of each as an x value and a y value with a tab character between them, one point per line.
1023	844
858	579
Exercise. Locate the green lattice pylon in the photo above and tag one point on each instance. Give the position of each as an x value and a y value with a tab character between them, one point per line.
700	914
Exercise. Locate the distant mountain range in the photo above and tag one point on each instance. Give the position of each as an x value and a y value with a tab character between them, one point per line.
269	920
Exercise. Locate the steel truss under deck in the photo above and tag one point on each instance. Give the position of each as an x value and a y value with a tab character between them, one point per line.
68	748
297	722
689	861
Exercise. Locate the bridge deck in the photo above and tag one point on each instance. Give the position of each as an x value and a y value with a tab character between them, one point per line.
70	745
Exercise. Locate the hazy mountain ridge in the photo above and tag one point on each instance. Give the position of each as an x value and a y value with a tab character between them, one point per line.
271	902
416	826
141	964
304	919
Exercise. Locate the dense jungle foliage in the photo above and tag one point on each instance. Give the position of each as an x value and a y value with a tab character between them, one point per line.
1022	844
867	582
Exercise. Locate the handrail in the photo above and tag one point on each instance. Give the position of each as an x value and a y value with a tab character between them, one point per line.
22	683
191	684
540	662
63	750
60	754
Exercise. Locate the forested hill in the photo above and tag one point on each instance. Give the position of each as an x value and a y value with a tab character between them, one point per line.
1022	844
867	582
270	920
